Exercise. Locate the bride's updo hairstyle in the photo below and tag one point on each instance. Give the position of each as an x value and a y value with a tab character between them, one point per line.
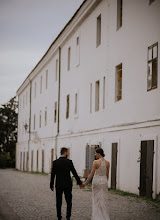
100	151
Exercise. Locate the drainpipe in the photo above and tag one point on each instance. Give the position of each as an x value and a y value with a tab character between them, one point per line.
29	132
58	104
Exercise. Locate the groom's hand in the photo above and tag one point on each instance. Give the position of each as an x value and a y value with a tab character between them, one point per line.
52	189
80	186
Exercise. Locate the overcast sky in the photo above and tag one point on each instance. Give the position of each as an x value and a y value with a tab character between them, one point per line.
27	29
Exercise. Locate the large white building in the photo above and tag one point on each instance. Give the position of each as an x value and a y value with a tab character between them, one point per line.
98	85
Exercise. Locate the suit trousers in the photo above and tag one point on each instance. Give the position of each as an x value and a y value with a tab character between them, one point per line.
68	197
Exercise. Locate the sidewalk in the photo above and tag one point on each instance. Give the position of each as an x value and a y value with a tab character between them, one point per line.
6	213
29	197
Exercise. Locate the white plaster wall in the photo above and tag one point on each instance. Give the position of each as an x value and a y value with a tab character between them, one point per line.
128	46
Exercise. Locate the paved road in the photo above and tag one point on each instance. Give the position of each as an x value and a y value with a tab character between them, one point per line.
29	197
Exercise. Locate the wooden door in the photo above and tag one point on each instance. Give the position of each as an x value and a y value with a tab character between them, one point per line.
146	168
149	166
42	161
114	165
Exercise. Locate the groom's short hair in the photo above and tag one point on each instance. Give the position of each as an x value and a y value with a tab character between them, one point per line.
63	150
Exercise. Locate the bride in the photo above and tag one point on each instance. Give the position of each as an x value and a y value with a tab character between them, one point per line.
100	170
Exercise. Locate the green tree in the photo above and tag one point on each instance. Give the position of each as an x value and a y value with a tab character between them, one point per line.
8	132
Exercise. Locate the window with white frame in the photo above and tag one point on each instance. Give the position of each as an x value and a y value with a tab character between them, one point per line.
26	98
97	87
41	84
56	76
152	76
45	116
55	112
119	13
104	91
76	104
35	90
91	98
69	58
98	30
46	79
34	123
77	51
67	107
118	82
40	118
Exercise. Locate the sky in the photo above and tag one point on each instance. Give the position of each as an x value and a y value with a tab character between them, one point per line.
27	29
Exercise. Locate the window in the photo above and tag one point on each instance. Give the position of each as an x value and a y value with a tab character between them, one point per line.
151	1
77	51
91	98
67	107
45	116
119	13
23	100
69	58
56	77
55	112
34	125
104	88
35	90
76	104
98	30
97	96
46	79
119	82
26	98
152	67
41	85
40	118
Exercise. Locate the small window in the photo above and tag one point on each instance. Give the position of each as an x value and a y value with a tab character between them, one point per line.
56	77
119	82
77	51
26	98
98	30
91	98
40	118
69	58
67	107
46	79
35	90
152	76
34	125
45	116
23	100
104	91
41	84
119	13
55	112
97	96
76	104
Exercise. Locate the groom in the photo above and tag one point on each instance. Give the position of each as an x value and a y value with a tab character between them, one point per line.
61	169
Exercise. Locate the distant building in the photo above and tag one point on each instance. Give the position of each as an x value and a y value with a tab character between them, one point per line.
98	85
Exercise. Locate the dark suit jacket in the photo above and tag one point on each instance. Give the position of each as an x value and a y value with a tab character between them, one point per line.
61	169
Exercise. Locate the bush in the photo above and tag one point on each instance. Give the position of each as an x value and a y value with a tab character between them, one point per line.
6	161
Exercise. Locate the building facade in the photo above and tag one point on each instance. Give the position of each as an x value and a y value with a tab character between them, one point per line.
98	85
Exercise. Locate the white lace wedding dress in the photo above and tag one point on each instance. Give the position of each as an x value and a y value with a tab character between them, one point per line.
100	194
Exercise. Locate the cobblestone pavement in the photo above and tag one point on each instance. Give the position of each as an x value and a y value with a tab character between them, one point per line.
29	197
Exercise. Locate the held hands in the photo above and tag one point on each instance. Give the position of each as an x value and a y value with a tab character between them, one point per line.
82	185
